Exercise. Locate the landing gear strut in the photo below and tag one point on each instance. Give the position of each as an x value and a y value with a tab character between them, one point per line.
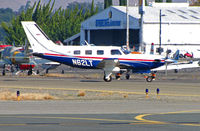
127	76
118	75
30	71
4	70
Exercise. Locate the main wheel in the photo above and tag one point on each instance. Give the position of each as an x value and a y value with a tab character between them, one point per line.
12	70
127	76
4	70
3	73
30	72
176	71
47	71
149	79
107	80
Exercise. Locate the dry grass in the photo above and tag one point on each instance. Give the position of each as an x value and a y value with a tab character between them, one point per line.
81	93
125	95
104	94
7	95
83	76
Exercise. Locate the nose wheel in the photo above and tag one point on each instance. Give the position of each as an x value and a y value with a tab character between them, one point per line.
109	79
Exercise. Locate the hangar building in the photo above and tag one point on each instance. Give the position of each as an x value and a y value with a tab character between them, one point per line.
180	27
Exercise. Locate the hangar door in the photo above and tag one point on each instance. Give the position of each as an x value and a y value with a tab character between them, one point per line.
114	37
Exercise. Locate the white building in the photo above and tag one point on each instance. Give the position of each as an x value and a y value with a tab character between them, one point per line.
180	27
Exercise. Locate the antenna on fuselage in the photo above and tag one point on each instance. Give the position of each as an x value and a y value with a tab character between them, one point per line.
87	43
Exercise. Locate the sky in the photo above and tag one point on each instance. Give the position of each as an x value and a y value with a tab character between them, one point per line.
16	4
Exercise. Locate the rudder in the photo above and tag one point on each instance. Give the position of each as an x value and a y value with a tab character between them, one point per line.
39	41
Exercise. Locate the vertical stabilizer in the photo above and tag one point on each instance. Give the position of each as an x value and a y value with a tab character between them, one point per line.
176	55
38	40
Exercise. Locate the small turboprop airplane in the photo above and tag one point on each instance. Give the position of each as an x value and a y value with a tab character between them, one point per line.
19	59
16	57
111	59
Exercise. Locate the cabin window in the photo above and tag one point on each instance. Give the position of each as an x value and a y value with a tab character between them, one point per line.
100	52
115	52
77	52
88	52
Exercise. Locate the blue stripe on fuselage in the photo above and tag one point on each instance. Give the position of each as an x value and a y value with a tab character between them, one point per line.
92	63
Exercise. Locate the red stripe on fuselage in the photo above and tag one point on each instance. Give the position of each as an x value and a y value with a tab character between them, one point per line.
87	57
55	54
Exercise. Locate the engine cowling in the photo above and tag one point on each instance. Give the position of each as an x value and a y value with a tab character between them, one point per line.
18	57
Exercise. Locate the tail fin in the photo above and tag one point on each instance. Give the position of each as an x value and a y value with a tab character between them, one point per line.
176	55
38	40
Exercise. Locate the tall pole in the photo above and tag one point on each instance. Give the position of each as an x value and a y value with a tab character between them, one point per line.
160	32
141	12
127	26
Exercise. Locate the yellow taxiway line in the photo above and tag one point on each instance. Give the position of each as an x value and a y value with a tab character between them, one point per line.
142	119
64	118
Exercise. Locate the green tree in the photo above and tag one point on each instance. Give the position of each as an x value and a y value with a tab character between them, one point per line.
14	30
122	2
58	24
158	1
169	1
24	8
146	3
196	3
107	3
5	15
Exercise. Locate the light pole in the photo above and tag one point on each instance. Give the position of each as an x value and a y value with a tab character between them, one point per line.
160	33
127	26
141	12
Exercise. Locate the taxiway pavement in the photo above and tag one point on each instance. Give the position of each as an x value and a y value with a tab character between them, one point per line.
118	105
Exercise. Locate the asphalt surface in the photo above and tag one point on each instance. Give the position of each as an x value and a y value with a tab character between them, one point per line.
119	122
118	105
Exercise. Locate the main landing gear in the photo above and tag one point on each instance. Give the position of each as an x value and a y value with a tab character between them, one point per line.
30	71
117	76
151	77
4	70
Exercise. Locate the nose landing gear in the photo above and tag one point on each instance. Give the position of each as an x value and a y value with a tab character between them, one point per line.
109	79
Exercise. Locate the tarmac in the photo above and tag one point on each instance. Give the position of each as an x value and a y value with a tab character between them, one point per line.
117	105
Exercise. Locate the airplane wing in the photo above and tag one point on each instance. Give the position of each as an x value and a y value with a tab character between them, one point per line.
173	66
45	63
109	66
